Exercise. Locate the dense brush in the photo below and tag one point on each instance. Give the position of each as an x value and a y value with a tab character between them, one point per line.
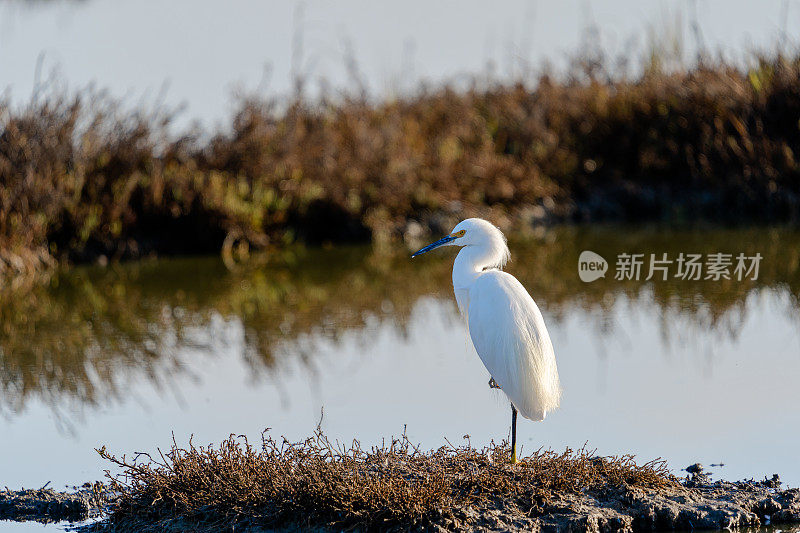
80	179
319	483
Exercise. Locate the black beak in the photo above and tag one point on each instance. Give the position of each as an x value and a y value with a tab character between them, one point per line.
433	245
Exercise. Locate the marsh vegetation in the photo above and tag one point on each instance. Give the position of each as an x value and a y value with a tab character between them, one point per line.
82	178
322	484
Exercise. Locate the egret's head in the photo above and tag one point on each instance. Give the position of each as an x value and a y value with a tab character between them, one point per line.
474	232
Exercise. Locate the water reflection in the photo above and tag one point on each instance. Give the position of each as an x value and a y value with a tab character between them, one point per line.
80	339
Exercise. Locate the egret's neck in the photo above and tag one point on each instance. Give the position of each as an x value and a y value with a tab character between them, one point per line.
470	262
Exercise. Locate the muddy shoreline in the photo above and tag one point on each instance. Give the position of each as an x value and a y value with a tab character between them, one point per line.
46	505
694	503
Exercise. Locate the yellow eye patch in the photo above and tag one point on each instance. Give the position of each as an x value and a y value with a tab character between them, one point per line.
459	233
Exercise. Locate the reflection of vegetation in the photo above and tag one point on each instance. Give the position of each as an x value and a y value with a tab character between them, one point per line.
551	268
89	326
78	336
81	332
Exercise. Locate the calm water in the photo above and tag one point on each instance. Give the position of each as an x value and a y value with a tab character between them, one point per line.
124	356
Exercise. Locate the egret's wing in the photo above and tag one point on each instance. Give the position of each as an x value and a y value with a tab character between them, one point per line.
462	299
510	337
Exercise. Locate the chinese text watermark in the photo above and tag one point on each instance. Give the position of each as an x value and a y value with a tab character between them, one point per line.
685	266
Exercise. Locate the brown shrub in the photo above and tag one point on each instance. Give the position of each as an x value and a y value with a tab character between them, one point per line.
319	483
80	178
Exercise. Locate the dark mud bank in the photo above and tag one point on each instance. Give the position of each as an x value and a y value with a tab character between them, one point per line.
694	504
47	505
712	506
717	506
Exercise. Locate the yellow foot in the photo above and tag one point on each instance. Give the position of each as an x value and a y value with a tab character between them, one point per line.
493	384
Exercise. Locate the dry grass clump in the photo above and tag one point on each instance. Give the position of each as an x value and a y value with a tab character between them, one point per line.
319	483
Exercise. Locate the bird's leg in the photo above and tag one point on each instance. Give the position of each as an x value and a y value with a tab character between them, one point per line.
513	434
493	384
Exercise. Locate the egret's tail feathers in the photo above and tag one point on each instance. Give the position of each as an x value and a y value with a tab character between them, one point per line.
535	415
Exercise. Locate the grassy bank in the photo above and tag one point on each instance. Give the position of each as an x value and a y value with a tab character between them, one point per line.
320	484
317	485
81	179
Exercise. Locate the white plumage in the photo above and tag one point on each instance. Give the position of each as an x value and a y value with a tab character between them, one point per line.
510	337
505	324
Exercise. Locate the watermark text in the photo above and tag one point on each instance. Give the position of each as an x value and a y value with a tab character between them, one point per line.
715	266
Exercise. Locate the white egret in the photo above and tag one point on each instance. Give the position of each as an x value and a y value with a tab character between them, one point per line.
504	322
